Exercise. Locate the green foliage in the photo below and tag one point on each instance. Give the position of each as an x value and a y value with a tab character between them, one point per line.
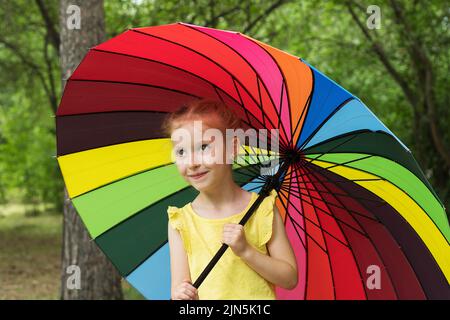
27	151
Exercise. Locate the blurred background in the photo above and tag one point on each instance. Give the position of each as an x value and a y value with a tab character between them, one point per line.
393	55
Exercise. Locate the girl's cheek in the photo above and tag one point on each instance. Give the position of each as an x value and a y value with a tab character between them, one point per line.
208	158
180	166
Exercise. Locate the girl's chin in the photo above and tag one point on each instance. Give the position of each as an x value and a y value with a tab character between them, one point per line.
201	186
204	185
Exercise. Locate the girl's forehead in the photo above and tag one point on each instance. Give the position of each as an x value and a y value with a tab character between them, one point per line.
200	123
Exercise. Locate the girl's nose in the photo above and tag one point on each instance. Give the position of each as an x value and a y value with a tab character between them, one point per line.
196	159
193	165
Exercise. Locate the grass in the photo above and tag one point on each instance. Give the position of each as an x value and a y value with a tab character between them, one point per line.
30	254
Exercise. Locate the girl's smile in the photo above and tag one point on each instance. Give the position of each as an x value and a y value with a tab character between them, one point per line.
198	176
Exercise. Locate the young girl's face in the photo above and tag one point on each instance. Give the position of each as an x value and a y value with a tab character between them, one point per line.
201	155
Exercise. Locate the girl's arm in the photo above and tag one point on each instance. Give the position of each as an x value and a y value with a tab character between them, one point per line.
280	267
181	287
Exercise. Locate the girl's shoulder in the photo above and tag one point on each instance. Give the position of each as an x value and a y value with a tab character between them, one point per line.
266	218
268	204
263	219
175	215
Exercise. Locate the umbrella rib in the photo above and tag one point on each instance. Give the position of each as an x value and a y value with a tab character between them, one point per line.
260	102
246	111
321	169
327	213
328	204
299	226
288	215
284	82
313	223
256	171
254	70
353	136
306	246
256	153
174	67
338	181
407	194
279	115
240	98
381	202
306	106
324	239
339	107
294	224
306	162
345	180
284	204
300	194
309	163
375	247
206	57
348	243
334	217
135	84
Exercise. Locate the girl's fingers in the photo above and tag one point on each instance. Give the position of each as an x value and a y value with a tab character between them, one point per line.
232	231
190	291
182	296
232	226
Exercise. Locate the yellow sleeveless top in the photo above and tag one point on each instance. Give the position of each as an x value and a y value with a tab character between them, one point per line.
231	277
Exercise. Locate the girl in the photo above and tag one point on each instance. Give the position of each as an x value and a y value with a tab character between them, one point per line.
260	256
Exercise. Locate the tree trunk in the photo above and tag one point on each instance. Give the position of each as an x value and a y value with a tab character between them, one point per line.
86	272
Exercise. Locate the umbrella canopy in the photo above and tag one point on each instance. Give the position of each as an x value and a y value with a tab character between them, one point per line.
361	216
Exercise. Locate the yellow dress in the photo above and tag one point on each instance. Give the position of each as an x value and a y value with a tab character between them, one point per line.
231	277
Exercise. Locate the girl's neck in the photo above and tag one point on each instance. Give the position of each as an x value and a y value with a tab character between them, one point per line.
220	199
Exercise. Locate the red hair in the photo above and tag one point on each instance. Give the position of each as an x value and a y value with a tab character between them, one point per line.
201	109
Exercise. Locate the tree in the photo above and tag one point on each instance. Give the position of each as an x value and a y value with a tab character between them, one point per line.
421	34
99	279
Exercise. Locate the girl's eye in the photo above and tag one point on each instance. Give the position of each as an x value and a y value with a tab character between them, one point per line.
179	152
205	146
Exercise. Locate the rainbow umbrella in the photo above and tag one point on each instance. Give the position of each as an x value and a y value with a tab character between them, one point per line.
362	218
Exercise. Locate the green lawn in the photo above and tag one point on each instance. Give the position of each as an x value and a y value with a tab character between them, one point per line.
30	251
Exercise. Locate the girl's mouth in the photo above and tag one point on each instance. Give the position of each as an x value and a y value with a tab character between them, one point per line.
198	175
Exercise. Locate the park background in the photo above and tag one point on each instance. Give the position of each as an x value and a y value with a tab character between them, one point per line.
397	64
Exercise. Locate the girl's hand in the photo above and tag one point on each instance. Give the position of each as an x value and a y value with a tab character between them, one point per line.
185	291
234	236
